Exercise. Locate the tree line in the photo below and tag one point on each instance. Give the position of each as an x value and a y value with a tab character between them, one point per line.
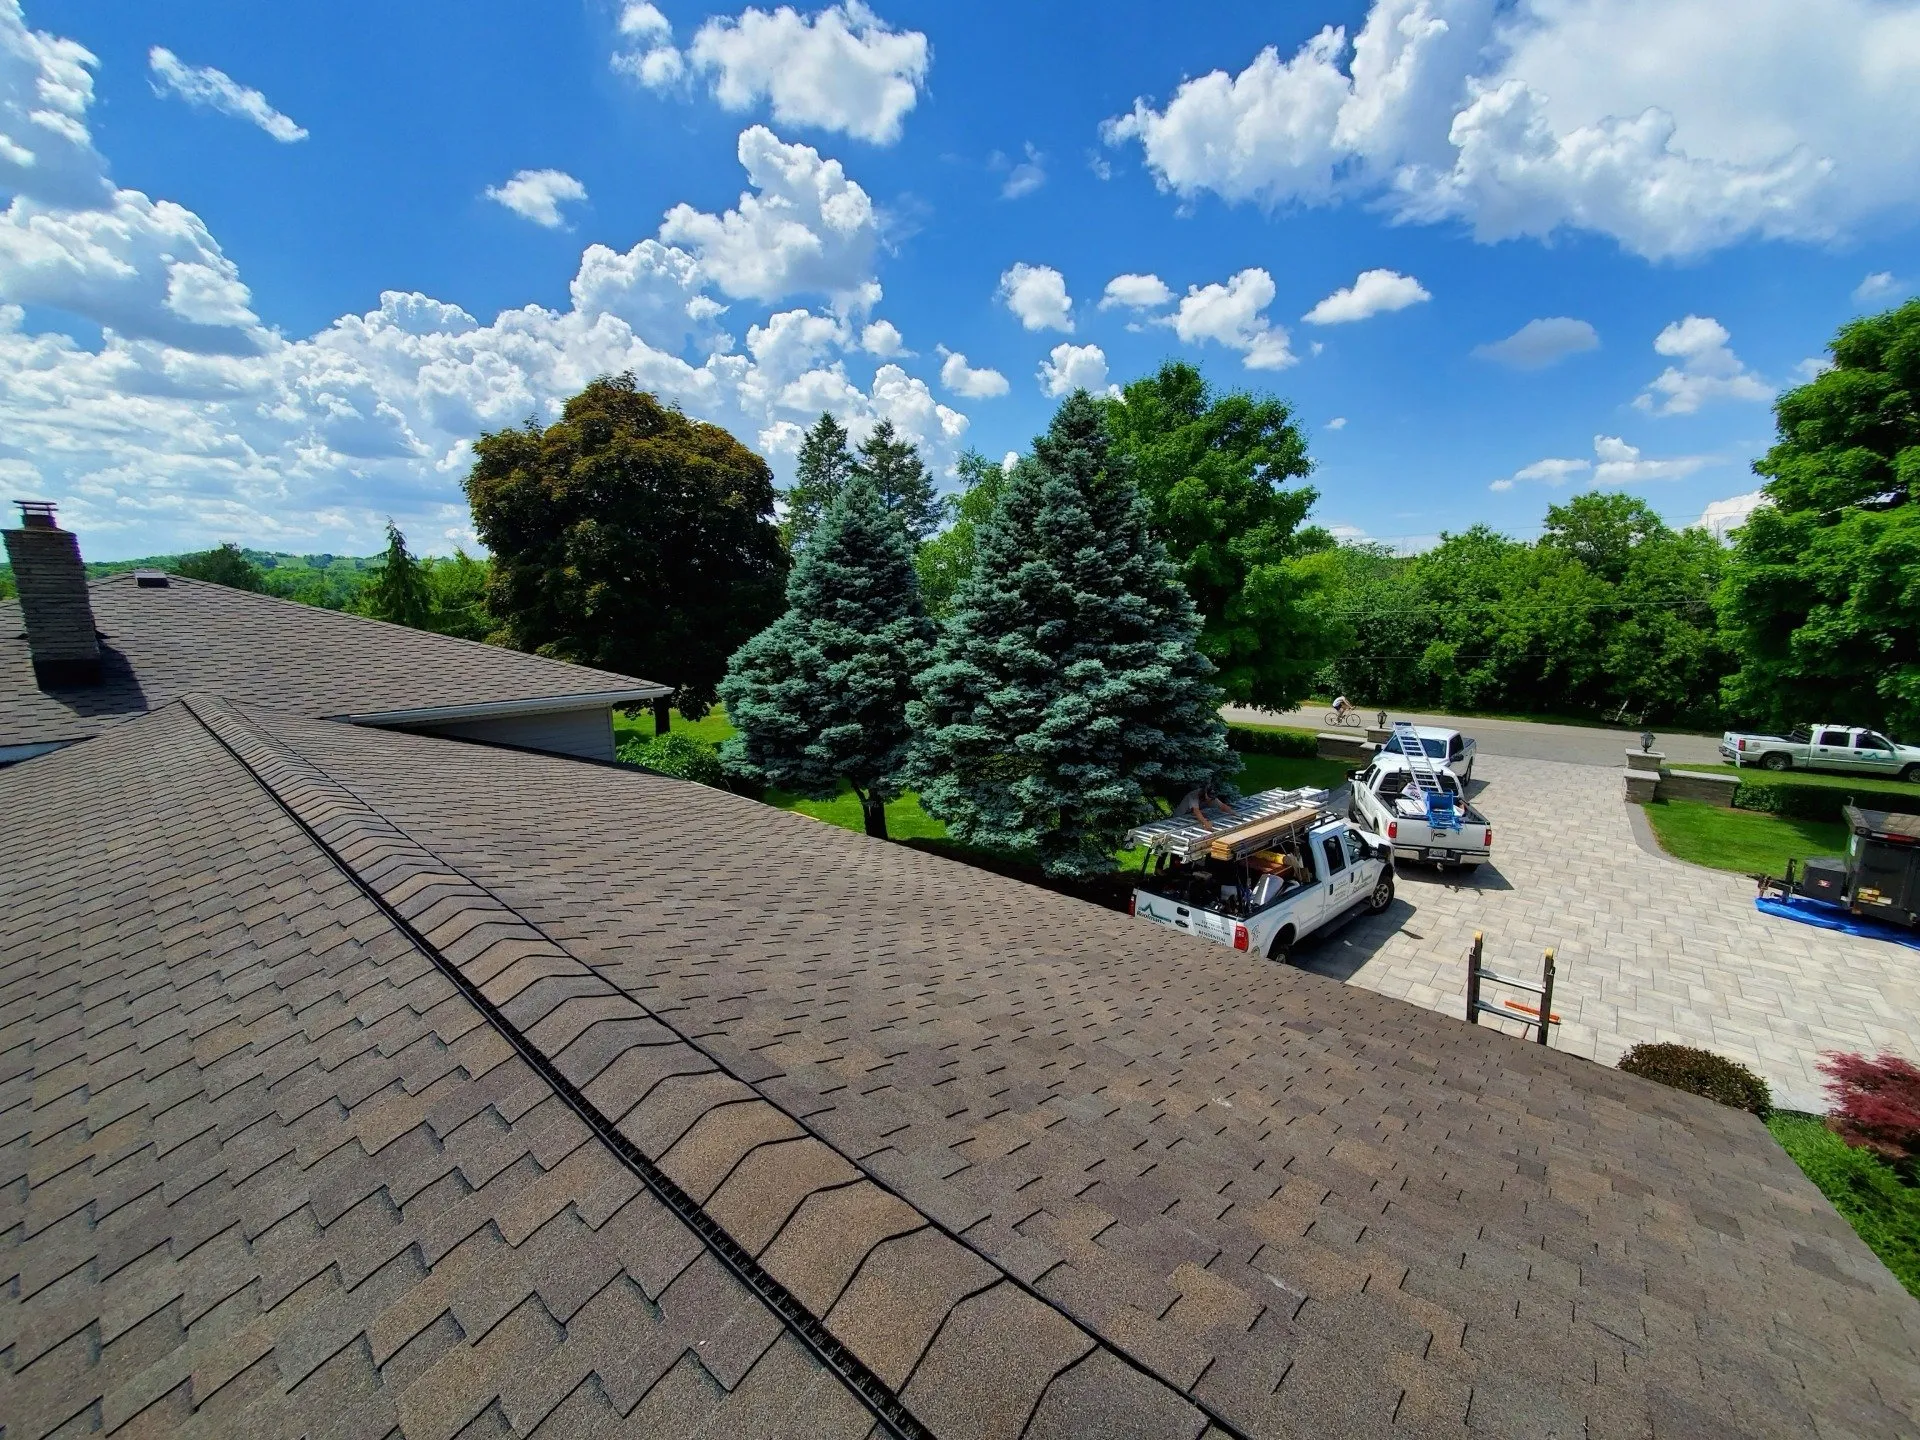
630	537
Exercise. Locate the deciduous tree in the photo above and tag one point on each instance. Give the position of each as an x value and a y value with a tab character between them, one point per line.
819	697
1216	470
1067	691
946	559
629	537
1822	595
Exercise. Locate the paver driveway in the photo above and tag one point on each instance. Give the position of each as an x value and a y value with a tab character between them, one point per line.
1648	948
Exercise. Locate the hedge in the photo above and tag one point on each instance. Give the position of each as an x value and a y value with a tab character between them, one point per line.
1265	740
1794	801
1700	1072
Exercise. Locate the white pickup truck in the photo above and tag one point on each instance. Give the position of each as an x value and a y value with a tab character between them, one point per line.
1386	801
1448	749
1273	870
1824	747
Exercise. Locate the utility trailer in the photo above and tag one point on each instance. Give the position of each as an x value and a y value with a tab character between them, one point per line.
1877	879
1279	866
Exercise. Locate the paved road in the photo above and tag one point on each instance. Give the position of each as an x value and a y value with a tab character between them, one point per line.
1648	948
1520	739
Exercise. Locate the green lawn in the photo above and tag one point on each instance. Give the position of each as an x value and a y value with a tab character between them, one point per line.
1746	841
1826	780
907	821
1866	1191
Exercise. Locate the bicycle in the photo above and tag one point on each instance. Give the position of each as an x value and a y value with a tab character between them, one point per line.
1350	717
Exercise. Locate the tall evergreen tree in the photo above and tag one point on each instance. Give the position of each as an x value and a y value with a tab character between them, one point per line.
819	697
400	591
894	466
822	471
1066	692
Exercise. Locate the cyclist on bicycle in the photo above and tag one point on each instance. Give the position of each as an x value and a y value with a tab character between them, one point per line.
1340	706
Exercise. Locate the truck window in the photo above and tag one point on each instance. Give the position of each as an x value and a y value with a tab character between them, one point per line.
1867	740
1456	747
1355	851
1336	855
1831	737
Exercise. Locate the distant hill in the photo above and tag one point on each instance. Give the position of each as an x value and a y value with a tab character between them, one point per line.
326	580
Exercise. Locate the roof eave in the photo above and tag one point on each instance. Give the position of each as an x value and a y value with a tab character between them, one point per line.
503	709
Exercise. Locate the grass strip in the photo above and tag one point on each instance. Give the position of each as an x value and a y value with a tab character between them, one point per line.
1747	842
1868	1192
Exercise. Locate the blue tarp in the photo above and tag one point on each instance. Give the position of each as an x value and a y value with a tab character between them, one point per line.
1832	917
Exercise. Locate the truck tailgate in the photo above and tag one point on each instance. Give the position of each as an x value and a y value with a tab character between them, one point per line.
1175	916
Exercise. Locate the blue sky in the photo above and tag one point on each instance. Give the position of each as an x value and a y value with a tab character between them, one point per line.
268	269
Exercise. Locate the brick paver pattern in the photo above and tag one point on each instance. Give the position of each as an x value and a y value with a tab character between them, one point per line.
1648	948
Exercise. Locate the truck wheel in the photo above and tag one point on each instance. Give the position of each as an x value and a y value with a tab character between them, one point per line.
1382	895
1282	947
1911	775
1776	761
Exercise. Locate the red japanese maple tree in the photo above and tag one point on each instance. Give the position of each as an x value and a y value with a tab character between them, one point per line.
1876	1103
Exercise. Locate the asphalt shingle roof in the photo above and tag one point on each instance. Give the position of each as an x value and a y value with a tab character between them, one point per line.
193	637
355	1081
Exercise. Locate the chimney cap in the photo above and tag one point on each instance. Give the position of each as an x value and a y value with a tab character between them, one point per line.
37	514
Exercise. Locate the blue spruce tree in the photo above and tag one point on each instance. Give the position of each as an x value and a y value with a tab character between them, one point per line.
819	697
1066	692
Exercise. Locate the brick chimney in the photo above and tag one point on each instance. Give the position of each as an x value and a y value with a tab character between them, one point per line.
53	598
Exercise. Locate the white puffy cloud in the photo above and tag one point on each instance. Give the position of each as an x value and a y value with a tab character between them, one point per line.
1037	295
883	338
1232	315
1618	463
808	229
46	85
190	423
1135	292
963	379
641	21
1338	422
1653	121
1708	370
212	89
538	195
1622	464
1073	367
1722	517
843	69
1878	287
1373	292
1539	343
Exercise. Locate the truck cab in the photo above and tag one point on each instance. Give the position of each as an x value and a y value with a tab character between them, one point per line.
1389	800
1276	868
1446	749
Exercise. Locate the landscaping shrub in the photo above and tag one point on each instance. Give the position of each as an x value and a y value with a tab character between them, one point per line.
1260	740
1876	1103
1866	1191
1700	1072
678	755
1793	801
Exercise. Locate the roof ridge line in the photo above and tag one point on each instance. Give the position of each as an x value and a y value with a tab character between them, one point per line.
296	784
370	851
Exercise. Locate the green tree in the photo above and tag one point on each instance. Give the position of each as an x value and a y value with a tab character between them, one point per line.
629	537
1602	529
1066	691
222	565
1822	596
819	697
894	466
946	559
823	467
400	592
458	583
1215	470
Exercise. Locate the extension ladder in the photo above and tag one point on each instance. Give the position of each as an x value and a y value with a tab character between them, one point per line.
1442	813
